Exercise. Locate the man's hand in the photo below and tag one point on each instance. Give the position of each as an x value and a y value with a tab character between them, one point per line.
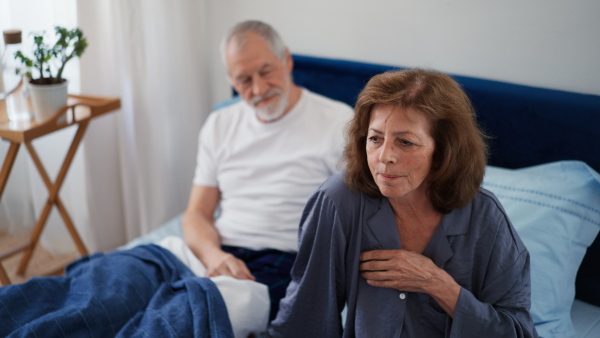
203	239
410	271
228	265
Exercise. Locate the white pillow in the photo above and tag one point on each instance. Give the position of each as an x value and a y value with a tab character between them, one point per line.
248	303
555	209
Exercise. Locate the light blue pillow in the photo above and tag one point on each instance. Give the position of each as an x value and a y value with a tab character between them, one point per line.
555	209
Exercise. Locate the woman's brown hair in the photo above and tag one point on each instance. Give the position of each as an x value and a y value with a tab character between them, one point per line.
460	154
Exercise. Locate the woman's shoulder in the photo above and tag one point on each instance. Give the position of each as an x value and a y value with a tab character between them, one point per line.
486	197
335	188
333	209
337	194
492	216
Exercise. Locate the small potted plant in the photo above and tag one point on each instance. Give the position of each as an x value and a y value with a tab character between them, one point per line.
47	87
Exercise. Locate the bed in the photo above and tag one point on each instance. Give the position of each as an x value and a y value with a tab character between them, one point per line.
543	166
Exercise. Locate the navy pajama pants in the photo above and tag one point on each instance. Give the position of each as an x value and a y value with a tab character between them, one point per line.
271	267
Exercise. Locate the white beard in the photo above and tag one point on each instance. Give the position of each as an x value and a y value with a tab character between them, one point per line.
274	110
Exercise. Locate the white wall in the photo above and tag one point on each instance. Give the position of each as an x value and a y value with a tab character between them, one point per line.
544	43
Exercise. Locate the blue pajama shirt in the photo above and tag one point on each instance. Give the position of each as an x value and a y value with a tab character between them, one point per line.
476	245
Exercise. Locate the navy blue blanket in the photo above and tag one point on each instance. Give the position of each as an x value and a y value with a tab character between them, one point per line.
144	291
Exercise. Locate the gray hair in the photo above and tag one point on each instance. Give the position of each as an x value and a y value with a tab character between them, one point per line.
263	30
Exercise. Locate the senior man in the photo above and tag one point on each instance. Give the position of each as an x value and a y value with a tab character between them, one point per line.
258	161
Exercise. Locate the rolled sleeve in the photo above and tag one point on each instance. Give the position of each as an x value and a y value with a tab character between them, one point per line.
502	309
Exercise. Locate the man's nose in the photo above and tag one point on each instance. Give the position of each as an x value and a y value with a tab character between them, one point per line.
259	86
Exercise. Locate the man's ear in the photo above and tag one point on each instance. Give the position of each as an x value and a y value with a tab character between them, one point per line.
289	62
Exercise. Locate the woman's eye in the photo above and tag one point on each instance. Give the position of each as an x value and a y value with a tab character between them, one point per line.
406	143
374	139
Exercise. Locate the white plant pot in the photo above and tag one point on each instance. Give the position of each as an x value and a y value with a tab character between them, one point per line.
47	99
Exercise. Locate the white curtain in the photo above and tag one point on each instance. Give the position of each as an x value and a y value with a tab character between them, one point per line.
140	160
134	170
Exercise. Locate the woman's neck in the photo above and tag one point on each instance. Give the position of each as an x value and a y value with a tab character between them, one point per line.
416	221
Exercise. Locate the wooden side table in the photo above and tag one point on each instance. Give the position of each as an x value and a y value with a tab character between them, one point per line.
79	111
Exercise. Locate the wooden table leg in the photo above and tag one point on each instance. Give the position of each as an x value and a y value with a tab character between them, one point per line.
3	276
59	181
9	161
8	253
53	198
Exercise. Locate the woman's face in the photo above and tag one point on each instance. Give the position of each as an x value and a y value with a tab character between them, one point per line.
399	151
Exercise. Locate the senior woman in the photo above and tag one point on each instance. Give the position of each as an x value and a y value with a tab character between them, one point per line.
406	238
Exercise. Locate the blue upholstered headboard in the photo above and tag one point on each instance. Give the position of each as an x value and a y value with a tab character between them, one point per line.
528	126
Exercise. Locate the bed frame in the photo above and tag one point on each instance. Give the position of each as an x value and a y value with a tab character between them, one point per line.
527	125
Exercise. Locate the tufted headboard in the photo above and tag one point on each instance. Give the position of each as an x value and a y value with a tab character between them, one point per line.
527	125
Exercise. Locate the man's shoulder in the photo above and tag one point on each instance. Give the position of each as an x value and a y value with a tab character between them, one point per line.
327	103
227	111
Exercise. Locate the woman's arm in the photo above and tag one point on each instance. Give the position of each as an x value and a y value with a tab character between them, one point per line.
315	296
502	307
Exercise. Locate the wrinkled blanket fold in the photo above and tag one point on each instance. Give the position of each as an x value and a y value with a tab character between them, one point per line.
144	291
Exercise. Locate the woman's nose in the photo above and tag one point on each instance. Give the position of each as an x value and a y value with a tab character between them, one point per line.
387	155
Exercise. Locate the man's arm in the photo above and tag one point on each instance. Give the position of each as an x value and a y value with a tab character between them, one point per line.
203	239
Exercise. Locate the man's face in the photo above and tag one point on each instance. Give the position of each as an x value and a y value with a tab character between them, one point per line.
260	77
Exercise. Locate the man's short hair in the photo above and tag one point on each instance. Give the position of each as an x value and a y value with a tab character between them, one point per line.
263	30
460	154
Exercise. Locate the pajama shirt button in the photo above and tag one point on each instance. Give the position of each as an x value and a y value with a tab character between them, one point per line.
402	295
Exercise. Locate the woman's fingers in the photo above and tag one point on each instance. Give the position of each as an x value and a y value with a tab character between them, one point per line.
380	259
377	255
400	269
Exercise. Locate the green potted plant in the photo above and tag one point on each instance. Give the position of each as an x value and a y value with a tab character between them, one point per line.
46	85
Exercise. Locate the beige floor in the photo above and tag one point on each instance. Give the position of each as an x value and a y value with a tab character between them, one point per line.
42	263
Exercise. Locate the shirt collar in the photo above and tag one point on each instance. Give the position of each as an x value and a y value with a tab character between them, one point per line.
380	217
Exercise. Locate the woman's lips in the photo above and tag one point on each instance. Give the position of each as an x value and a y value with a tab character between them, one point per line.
388	176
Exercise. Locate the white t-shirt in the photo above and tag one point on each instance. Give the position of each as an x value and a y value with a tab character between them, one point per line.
266	171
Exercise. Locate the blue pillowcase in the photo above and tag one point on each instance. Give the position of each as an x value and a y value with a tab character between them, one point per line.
555	209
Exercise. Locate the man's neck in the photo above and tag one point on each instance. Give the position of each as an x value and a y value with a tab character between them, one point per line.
295	93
